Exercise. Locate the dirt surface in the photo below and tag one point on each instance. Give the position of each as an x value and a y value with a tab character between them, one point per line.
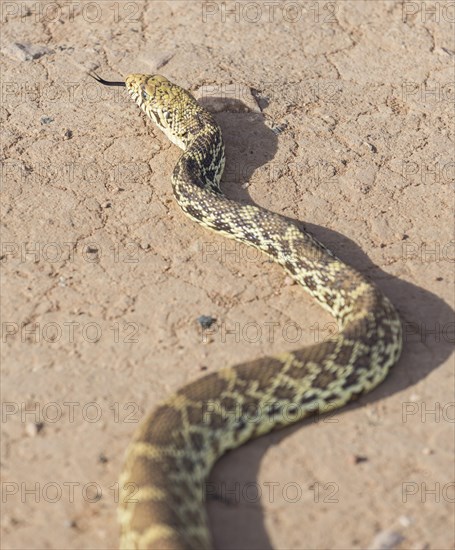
338	115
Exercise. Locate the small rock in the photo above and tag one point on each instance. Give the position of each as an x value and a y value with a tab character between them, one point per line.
71	523
9	520
206	321
277	128
405	521
68	134
357	459
156	60
32	429
386	540
102	458
46	119
26	51
288	281
427	451
371	146
64	47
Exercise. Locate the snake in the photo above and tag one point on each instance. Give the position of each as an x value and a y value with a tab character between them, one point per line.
164	477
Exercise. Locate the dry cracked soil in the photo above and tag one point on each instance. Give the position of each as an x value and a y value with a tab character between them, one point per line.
338	115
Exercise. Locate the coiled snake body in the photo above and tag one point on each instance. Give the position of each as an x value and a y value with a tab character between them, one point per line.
174	449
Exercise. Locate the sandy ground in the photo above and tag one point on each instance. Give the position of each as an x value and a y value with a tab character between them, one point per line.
338	115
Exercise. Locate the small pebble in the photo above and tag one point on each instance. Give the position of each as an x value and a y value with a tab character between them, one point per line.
386	540
68	134
427	451
9	520
357	459
155	59
70	523
26	51
206	321
32	429
405	521
102	458
46	119
279	128
372	147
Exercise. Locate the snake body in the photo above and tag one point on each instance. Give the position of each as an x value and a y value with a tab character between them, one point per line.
174	449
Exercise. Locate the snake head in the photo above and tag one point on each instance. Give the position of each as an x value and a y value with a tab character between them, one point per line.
167	104
171	108
147	88
155	95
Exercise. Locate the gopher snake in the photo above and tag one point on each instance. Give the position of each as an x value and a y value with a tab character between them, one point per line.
173	451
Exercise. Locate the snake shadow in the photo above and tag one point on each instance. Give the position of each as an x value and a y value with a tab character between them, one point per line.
250	144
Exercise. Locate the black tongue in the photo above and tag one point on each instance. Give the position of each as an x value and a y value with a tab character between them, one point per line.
105	82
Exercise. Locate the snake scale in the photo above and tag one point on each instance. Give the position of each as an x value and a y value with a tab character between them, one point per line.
174	449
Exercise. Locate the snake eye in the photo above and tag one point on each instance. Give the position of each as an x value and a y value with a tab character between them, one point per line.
144	94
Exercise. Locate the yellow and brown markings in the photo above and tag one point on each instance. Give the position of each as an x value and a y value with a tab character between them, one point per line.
174	449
